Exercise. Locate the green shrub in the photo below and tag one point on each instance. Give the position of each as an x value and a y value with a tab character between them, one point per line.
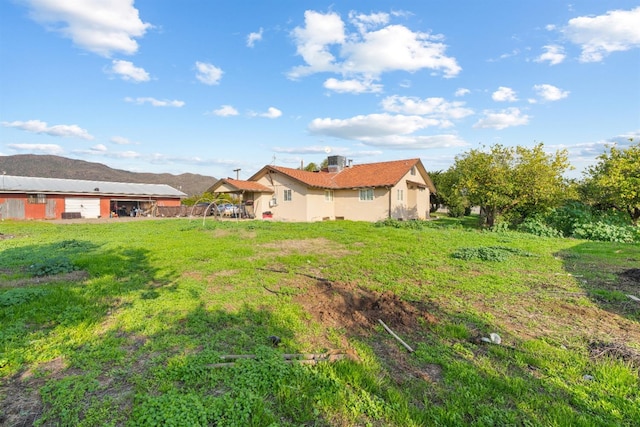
17	296
52	266
395	223
488	253
604	232
456	211
170	409
537	227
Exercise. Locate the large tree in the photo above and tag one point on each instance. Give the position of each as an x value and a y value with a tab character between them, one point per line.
505	180
615	180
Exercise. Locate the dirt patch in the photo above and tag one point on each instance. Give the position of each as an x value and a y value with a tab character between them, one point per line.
6	236
20	402
74	276
631	276
318	246
344	305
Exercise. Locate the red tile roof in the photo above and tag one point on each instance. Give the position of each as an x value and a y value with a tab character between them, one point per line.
380	174
243	185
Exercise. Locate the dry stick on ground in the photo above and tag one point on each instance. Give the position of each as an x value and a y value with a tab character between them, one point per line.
274	270
393	334
306	359
287	356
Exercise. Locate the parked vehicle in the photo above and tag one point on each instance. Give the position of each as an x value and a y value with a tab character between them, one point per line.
228	209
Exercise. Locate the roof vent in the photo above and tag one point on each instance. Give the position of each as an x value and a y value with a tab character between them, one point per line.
336	163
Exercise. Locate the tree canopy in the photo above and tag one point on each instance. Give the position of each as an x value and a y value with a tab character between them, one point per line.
516	180
615	180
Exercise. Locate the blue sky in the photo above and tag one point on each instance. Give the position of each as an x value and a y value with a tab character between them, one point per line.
212	86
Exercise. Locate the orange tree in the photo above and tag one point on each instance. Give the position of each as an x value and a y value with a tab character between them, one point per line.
518	181
614	182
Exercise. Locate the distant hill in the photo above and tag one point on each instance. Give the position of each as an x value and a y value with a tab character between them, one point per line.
61	167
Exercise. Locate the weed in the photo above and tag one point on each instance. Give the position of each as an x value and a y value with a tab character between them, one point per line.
52	266
488	253
17	296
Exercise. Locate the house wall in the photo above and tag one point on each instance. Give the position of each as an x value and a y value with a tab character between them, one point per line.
293	210
318	208
349	206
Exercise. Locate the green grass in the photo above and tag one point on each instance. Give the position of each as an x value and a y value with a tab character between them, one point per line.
119	324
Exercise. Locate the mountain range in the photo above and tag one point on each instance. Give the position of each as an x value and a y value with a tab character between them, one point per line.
47	166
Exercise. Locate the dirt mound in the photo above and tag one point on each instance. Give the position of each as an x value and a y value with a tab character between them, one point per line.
632	274
344	305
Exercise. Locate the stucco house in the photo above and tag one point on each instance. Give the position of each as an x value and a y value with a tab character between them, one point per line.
24	197
366	192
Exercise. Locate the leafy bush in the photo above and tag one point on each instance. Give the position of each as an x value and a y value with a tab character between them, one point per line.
456	211
604	232
52	266
170	409
488	253
17	296
537	227
578	220
395	223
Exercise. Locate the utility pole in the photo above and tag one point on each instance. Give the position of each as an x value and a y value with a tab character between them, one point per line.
237	171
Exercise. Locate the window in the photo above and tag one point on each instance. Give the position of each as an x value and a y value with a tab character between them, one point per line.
37	199
400	195
413	170
287	195
366	194
328	195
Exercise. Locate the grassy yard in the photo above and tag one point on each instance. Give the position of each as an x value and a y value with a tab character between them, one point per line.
126	323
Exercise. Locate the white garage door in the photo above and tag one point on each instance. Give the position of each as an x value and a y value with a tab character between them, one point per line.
88	208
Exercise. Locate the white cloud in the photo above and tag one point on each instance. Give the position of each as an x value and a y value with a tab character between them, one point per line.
252	38
504	94
462	92
370	125
352	86
119	140
155	102
101	27
386	130
366	52
313	41
553	53
272	113
102	151
598	36
129	72
502	119
52	149
412	142
208	74
433	107
37	126
550	93
225	111
316	149
367	22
